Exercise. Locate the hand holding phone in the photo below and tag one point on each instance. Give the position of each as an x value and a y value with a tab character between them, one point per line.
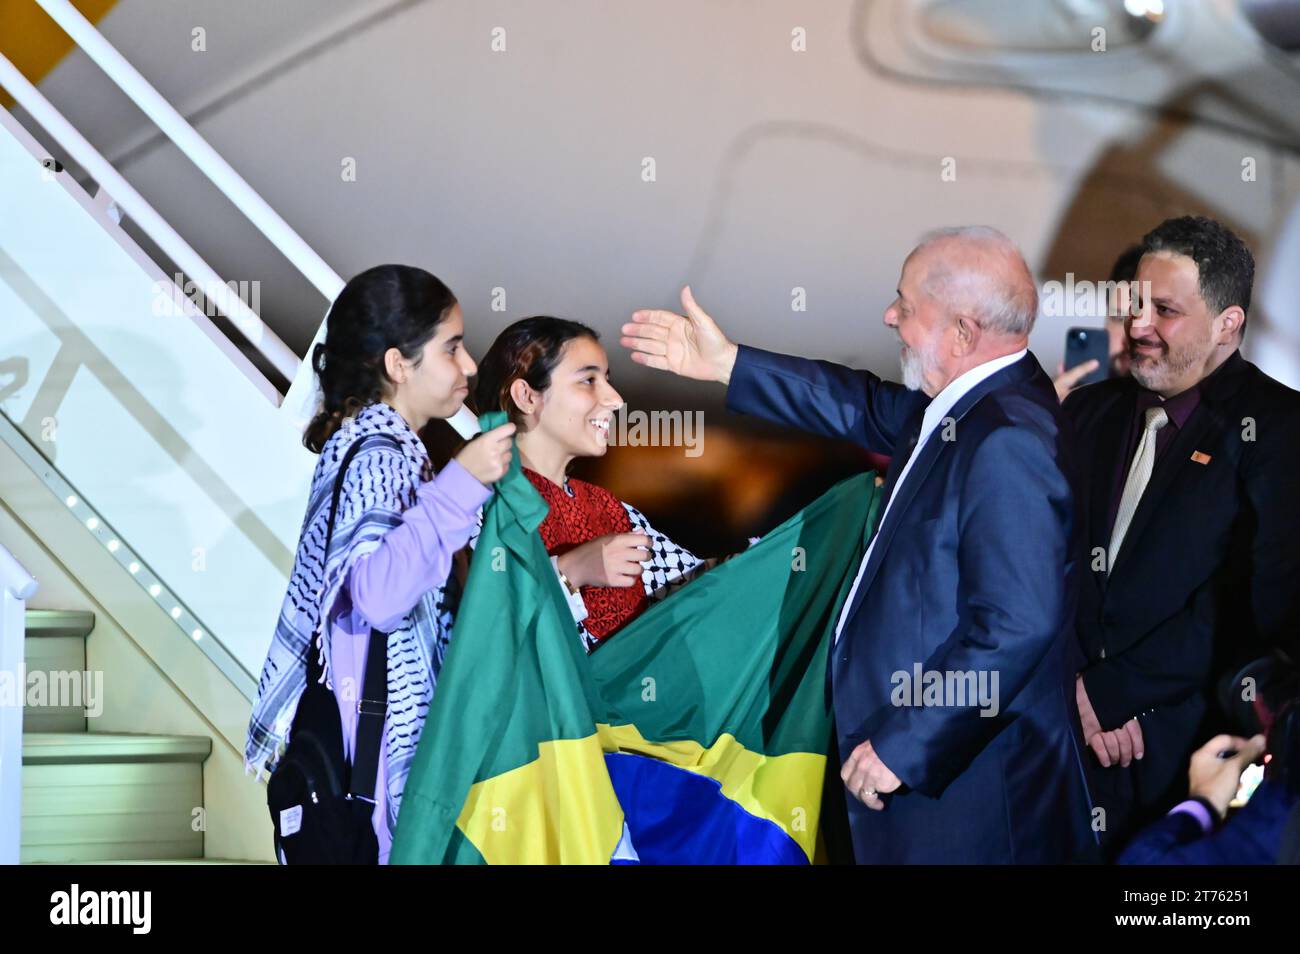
1215	775
1088	344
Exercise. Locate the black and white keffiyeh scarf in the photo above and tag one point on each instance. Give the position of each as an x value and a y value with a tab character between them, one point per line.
380	484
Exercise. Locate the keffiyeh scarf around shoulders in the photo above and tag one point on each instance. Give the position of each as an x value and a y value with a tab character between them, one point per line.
380	484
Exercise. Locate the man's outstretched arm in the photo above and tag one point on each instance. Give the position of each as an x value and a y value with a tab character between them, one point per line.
816	396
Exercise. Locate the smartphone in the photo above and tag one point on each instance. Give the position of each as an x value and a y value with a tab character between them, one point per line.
1250	780
1087	344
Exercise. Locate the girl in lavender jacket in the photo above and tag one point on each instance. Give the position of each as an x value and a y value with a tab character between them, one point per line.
392	360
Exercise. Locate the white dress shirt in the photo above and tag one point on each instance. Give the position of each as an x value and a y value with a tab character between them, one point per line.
937	410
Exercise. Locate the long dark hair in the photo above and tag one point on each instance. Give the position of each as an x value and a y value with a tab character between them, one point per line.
388	306
529	349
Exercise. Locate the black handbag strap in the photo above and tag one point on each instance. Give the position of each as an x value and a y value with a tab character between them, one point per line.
372	705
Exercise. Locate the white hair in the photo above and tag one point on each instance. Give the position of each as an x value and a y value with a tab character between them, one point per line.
997	290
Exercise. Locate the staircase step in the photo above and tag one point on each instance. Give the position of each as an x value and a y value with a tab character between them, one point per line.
59	623
71	748
179	861
100	796
56	647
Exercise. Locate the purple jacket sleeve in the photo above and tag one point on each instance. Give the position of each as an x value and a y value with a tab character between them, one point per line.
416	556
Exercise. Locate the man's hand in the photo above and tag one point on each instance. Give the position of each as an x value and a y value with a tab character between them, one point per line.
1215	779
867	777
1067	381
1121	745
691	345
1091	725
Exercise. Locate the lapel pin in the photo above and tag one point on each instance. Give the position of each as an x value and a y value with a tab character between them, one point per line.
1200	457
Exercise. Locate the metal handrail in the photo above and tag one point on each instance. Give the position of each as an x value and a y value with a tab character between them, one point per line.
16	587
193	145
130	201
300	398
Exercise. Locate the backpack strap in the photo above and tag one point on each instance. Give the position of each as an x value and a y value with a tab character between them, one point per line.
372	706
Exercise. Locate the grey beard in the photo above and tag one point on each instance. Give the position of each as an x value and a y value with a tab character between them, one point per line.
912	367
1171	367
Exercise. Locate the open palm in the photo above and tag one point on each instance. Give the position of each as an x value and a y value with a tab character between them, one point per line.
691	345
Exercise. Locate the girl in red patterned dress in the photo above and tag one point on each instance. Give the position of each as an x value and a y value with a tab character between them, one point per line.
551	377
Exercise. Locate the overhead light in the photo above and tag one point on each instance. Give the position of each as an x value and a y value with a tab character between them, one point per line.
1148	9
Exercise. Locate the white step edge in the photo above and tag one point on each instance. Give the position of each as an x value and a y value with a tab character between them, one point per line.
59	622
71	748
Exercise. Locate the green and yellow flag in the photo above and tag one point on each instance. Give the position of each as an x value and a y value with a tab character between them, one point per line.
697	734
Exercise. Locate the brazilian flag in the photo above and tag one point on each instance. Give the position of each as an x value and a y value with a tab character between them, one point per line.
696	734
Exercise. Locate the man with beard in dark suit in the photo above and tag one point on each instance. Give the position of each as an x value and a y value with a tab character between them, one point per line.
1192	521
967	585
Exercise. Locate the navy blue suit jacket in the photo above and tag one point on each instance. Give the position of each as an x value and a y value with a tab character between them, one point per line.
1252	836
973	572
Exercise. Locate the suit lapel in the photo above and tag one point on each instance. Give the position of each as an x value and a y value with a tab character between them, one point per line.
903	496
902	455
925	459
1106	451
1209	417
1176	458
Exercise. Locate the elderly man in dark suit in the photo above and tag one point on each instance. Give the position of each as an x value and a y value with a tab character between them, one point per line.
1191	520
952	663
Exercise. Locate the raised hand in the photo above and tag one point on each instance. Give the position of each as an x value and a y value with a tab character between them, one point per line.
487	455
691	345
1066	381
